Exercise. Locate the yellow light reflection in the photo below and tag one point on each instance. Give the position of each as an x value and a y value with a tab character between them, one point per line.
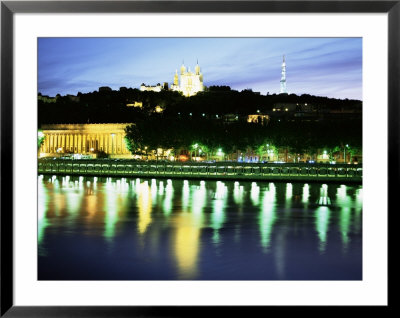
187	234
144	204
91	204
187	244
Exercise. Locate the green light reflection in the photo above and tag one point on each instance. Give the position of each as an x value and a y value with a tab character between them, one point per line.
358	209
185	195
323	195
154	191
289	191
199	198
43	200
111	212
255	193
306	193
342	198
344	223
74	196
238	193
267	216
322	226
218	214
359	200
161	188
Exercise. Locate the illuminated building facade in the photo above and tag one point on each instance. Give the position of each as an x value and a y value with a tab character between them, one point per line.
157	88
84	139
258	119
189	83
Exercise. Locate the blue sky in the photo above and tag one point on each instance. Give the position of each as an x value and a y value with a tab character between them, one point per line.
318	66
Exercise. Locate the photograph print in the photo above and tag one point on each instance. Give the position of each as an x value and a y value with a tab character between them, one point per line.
199	159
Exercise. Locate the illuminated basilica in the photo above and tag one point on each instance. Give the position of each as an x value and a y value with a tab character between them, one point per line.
189	83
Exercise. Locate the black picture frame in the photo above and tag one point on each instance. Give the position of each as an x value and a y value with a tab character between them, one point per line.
8	8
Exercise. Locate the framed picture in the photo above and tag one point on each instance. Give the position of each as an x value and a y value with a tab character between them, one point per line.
166	157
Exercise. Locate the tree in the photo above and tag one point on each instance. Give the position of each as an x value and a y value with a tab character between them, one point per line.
134	139
41	138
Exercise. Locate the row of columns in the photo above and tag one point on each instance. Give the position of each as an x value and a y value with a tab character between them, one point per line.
110	143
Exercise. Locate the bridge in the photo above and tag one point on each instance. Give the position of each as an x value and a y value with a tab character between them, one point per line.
203	170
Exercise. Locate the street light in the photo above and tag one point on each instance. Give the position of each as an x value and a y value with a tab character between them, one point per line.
220	153
344	153
195	148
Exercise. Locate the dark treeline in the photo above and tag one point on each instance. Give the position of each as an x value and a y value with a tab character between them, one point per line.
297	136
110	106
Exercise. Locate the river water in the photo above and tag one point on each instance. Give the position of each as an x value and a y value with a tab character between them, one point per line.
92	228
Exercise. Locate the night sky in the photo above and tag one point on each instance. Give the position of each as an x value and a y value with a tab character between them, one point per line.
329	67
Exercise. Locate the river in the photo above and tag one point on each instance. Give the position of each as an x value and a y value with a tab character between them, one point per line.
92	228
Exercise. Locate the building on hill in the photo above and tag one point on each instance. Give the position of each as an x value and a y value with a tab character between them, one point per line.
156	88
135	104
261	119
189	83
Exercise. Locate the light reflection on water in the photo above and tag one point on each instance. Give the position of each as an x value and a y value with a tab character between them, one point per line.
187	229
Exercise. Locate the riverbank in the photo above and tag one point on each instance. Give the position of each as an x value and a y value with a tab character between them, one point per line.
202	170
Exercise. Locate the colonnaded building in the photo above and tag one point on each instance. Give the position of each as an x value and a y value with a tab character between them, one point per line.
84	139
188	84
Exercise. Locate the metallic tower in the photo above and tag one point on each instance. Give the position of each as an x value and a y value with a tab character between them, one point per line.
283	78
